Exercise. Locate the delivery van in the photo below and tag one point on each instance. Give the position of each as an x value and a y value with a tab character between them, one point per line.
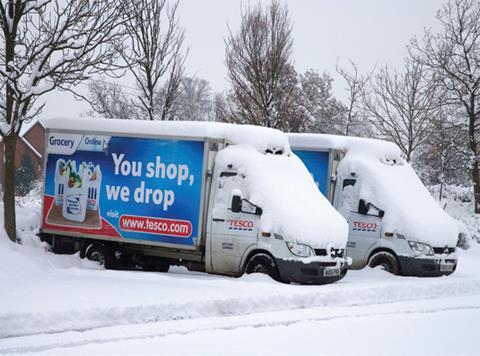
393	220
220	198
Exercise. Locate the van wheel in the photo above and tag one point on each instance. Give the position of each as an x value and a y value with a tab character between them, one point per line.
386	260
263	263
99	253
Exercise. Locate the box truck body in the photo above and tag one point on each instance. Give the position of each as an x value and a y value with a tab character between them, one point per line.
211	197
393	220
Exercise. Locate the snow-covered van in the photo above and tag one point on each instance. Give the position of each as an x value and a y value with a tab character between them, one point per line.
220	198
393	220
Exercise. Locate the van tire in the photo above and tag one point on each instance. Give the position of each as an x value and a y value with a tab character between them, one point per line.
99	253
263	263
386	260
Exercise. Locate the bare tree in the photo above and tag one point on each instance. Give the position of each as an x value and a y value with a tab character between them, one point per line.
402	105
323	112
153	55
220	107
110	101
356	84
259	67
443	158
194	101
454	53
47	45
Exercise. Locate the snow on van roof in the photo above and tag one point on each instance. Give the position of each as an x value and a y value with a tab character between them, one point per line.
371	146
387	181
262	138
292	205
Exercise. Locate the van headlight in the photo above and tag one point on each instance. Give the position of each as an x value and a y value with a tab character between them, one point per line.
421	248
300	250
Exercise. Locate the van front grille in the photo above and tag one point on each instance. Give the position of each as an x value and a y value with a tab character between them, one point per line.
442	250
334	252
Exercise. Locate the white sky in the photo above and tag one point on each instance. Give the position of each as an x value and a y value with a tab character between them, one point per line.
369	32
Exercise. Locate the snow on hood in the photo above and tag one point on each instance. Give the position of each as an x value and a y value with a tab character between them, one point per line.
390	183
292	205
262	138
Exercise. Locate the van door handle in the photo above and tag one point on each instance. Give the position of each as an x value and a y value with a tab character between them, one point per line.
215	219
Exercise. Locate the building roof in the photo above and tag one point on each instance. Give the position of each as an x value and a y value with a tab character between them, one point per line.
27	125
31	147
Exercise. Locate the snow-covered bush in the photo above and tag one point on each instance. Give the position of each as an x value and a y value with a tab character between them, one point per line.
458	202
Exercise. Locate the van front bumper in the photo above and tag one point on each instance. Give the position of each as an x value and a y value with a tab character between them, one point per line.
310	273
427	267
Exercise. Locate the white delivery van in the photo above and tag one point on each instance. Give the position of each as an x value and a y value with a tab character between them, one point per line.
393	220
220	198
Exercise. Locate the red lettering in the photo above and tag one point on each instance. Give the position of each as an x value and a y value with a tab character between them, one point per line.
364	225
246	224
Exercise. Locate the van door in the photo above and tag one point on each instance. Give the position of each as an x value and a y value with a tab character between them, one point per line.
233	232
364	221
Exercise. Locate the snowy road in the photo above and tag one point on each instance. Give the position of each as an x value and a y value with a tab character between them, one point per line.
417	327
61	305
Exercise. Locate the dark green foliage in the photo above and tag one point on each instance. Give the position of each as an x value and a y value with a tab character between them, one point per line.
24	176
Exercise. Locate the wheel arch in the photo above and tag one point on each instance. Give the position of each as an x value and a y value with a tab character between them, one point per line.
384	249
251	254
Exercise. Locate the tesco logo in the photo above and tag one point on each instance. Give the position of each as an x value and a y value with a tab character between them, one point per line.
364	225
240	224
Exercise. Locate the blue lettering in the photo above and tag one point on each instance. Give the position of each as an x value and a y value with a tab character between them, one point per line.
53	141
92	141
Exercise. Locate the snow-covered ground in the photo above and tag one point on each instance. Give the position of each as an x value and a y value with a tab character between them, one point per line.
53	304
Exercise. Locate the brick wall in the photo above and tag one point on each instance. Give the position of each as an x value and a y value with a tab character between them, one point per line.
36	137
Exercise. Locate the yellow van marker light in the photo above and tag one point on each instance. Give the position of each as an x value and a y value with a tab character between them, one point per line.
266	234
389	234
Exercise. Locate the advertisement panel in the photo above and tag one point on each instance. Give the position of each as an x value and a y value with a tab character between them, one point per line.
124	187
317	164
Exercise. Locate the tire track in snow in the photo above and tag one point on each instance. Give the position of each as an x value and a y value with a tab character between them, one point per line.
24	324
38	343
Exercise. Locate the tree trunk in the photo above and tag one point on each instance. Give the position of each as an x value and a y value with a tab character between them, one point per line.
473	147
442	170
9	187
476	186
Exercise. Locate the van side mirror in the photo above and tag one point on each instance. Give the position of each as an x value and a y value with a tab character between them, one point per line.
362	207
258	211
236	203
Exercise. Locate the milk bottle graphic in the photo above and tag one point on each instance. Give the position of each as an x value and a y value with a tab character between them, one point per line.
61	179
94	182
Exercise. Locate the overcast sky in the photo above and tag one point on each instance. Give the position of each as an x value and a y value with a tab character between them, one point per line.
369	32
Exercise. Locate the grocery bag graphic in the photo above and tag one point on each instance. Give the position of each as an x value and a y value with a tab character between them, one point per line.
76	192
61	178
75	195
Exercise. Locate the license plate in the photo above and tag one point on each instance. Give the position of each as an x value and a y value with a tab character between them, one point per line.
446	267
330	272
